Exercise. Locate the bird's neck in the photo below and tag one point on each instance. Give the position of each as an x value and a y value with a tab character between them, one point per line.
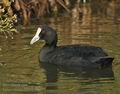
48	48
44	53
52	44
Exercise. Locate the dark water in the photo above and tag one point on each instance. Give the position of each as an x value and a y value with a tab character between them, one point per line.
21	73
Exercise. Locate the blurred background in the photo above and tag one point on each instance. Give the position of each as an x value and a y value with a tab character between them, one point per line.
94	22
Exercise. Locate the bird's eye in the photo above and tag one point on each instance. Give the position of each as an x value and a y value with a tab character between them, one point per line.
42	34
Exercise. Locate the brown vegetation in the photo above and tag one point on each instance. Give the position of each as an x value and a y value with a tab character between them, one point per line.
25	9
37	8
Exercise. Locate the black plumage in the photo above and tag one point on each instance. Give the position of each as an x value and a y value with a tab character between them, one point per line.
70	55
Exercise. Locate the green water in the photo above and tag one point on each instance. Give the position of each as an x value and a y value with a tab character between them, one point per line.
21	72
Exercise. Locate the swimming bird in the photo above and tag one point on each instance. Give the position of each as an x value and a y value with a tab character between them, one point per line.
82	55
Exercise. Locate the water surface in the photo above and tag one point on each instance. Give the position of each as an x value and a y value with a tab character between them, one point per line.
21	72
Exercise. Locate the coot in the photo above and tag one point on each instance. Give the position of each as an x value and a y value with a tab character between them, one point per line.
69	55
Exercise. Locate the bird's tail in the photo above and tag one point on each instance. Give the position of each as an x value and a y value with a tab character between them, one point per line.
105	61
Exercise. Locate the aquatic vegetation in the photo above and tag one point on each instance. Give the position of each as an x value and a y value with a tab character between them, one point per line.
7	22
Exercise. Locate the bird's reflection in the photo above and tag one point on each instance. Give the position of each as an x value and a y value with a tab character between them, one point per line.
52	73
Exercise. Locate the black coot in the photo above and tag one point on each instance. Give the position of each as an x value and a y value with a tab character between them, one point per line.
70	55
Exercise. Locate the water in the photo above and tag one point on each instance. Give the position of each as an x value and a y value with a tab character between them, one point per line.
21	72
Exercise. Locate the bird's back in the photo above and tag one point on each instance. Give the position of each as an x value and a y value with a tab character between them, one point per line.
78	55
